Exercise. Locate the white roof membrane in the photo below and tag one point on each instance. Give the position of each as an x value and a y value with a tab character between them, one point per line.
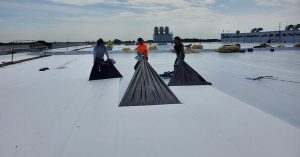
60	113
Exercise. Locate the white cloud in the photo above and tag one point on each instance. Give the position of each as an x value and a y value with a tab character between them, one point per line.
42	7
288	8
209	1
85	2
139	3
189	18
280	3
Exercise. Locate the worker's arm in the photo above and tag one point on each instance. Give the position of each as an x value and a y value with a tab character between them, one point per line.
95	51
106	53
182	55
137	50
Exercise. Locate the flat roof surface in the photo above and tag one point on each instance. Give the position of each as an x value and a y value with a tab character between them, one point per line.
60	113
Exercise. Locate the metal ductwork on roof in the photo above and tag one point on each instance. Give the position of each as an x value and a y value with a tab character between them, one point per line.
155	30
289	27
296	27
161	30
166	30
253	30
259	29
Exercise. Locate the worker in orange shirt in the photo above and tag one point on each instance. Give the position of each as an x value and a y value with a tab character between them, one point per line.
142	50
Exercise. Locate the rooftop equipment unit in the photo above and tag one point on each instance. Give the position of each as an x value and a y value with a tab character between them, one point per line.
259	29
161	30
166	30
296	27
155	30
253	30
289	27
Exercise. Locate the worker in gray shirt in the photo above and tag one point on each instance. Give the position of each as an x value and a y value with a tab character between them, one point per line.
99	50
103	69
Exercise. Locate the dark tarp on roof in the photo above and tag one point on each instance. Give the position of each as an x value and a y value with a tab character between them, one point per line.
184	75
147	88
104	70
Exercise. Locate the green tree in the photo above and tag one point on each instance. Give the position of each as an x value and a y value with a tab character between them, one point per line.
117	42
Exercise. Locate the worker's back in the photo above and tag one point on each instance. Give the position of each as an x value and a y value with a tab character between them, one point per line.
143	50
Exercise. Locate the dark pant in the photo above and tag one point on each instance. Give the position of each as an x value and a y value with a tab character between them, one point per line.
98	69
176	63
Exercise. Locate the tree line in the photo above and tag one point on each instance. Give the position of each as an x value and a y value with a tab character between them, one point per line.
187	40
119	42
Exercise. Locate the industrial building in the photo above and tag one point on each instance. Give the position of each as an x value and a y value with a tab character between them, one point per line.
162	35
291	34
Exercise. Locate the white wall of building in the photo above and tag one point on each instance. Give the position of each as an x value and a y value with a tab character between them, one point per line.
292	36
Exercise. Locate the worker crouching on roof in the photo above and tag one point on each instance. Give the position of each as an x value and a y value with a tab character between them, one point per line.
179	50
142	51
99	50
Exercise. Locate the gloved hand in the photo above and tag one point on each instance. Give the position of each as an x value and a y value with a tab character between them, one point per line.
112	61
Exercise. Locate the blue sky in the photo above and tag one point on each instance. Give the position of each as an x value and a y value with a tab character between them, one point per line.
83	20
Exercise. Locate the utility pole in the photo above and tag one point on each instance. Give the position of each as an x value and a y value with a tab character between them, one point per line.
12	52
279	33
